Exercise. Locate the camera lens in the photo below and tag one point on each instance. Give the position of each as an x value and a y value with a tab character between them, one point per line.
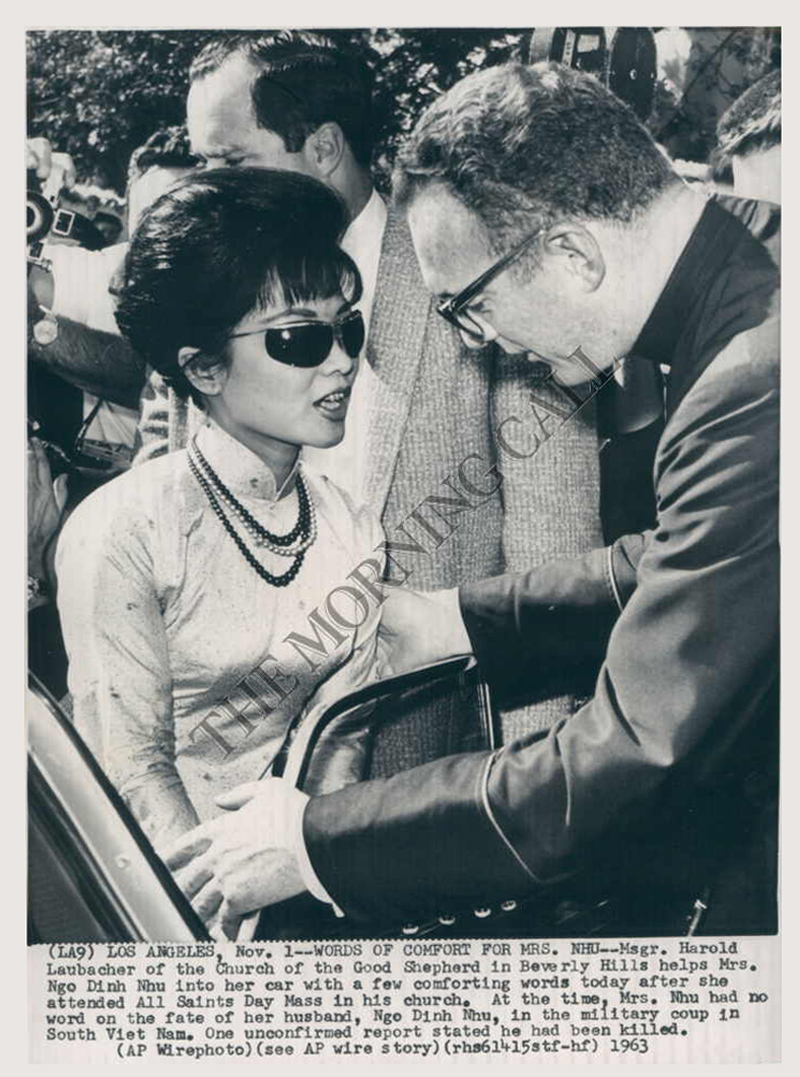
38	216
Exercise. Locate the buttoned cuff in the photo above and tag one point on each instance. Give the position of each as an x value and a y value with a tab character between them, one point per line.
307	873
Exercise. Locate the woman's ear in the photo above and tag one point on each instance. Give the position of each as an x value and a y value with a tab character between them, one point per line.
581	252
325	148
205	375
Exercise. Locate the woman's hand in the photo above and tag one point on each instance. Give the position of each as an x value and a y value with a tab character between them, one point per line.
242	861
46	502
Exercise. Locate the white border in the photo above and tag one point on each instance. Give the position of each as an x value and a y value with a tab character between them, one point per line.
306	13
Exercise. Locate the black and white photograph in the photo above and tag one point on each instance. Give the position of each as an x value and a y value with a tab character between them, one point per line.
403	541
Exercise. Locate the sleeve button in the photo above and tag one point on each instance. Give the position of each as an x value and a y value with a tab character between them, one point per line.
447	919
483	913
508	906
410	929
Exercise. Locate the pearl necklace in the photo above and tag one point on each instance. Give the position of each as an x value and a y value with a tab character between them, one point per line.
293	544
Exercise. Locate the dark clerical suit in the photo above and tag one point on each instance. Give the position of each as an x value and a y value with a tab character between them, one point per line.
663	784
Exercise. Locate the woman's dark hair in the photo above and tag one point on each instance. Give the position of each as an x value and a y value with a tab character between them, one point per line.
221	244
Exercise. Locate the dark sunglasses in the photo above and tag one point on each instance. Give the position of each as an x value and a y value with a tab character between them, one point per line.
307	344
454	310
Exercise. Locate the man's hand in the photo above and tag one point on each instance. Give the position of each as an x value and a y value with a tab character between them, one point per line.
46	501
418	628
55	170
240	862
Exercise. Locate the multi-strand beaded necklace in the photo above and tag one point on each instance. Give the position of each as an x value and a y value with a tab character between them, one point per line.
293	544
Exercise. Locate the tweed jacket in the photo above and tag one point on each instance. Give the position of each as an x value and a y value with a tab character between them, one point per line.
649	775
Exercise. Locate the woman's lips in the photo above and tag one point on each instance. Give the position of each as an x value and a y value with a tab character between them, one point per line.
334	405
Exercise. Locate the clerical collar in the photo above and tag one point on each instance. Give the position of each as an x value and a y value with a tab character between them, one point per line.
699	263
244	473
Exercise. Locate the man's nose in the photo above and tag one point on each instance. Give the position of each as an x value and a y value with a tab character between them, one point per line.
471	341
475	343
478	340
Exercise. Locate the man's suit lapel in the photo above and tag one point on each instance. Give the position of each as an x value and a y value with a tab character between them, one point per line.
394	349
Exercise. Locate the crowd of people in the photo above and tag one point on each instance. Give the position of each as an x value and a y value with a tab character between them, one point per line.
282	374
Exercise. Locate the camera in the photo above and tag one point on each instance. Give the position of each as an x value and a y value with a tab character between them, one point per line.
43	219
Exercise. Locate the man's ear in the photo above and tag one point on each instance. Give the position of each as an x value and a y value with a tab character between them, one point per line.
205	375
581	252
324	149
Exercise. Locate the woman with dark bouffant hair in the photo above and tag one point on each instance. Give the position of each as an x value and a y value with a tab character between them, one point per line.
204	595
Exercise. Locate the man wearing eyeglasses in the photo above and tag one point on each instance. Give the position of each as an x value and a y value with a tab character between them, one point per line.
545	218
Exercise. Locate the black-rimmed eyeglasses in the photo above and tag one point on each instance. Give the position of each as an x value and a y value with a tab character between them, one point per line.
454	309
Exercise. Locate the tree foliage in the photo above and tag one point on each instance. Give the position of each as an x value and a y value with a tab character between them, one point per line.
98	94
721	66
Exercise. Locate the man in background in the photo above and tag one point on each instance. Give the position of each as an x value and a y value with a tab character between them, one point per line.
76	288
749	140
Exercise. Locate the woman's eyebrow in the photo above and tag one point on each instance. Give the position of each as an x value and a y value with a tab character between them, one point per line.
305	312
